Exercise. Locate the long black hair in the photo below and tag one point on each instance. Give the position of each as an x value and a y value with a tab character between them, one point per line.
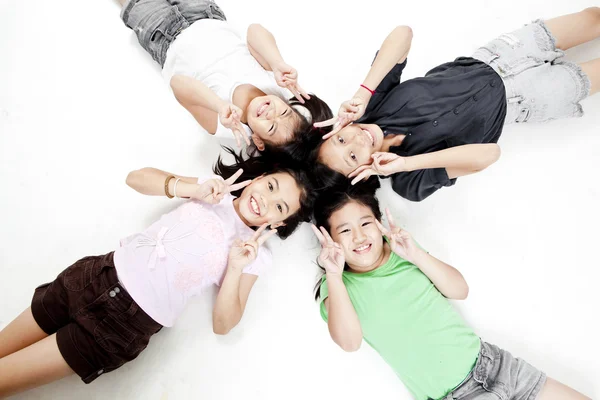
256	166
340	194
297	146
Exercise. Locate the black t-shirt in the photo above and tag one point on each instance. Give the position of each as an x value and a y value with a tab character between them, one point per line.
457	103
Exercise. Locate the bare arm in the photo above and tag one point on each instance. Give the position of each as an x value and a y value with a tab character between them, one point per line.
458	161
342	320
263	47
198	99
151	182
447	279
394	50
231	300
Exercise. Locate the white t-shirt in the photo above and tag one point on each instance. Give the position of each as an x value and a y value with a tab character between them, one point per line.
216	54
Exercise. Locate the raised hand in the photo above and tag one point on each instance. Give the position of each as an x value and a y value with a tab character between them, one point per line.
243	253
286	76
349	112
230	116
213	190
401	241
383	164
332	256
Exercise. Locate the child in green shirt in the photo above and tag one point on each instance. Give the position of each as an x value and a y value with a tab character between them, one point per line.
381	286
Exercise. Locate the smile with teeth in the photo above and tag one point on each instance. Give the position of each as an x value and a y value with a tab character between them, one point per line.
262	109
363	249
369	136
254	206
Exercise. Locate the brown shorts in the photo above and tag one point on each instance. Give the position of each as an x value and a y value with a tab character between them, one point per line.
98	325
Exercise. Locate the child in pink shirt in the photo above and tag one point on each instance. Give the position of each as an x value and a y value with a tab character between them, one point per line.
100	312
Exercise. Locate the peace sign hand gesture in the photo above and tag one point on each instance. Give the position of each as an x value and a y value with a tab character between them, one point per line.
349	112
401	241
286	76
243	253
332	256
230	116
213	190
384	164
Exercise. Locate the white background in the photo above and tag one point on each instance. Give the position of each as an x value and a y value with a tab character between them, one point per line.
81	105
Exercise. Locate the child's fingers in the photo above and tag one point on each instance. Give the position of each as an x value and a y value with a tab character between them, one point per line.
238	186
231	180
390	219
382	228
328	122
266	236
318	234
327	236
259	231
363	175
252	248
358	170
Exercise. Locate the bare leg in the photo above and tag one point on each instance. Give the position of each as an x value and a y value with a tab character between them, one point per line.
36	365
554	390
592	70
20	333
574	29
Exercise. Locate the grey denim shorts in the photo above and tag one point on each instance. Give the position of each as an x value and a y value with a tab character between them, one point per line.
158	22
497	375
540	84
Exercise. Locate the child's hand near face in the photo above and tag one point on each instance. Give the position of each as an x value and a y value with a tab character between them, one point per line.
286	76
213	190
230	116
384	164
332	256
401	241
243	253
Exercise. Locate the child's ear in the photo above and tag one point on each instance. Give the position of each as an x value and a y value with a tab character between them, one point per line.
260	145
277	225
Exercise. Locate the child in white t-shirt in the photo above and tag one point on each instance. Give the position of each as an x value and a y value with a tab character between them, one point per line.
229	82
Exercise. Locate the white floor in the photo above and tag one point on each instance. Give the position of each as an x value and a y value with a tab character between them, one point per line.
81	105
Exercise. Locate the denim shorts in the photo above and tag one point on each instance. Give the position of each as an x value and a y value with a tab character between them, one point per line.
540	84
497	375
98	326
158	22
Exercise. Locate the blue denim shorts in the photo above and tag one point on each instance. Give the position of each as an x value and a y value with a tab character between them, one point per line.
540	84
497	375
158	22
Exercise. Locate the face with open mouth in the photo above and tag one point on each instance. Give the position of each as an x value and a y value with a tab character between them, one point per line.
351	147
272	120
269	199
353	227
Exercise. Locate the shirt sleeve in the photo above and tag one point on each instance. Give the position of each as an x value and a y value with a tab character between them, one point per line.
264	260
418	185
323	295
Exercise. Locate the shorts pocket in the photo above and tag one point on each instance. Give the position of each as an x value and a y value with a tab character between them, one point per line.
500	56
161	37
81	274
113	336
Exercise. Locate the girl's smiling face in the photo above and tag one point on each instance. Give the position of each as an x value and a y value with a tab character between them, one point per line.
272	121
269	199
353	227
351	147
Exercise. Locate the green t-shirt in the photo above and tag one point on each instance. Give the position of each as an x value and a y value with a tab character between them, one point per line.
412	326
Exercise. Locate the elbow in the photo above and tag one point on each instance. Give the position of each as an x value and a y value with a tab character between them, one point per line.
350	346
405	33
252	28
222	326
490	156
463	293
135	177
221	329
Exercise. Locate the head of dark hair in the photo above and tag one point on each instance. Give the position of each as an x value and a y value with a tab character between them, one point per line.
256	166
336	197
295	147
